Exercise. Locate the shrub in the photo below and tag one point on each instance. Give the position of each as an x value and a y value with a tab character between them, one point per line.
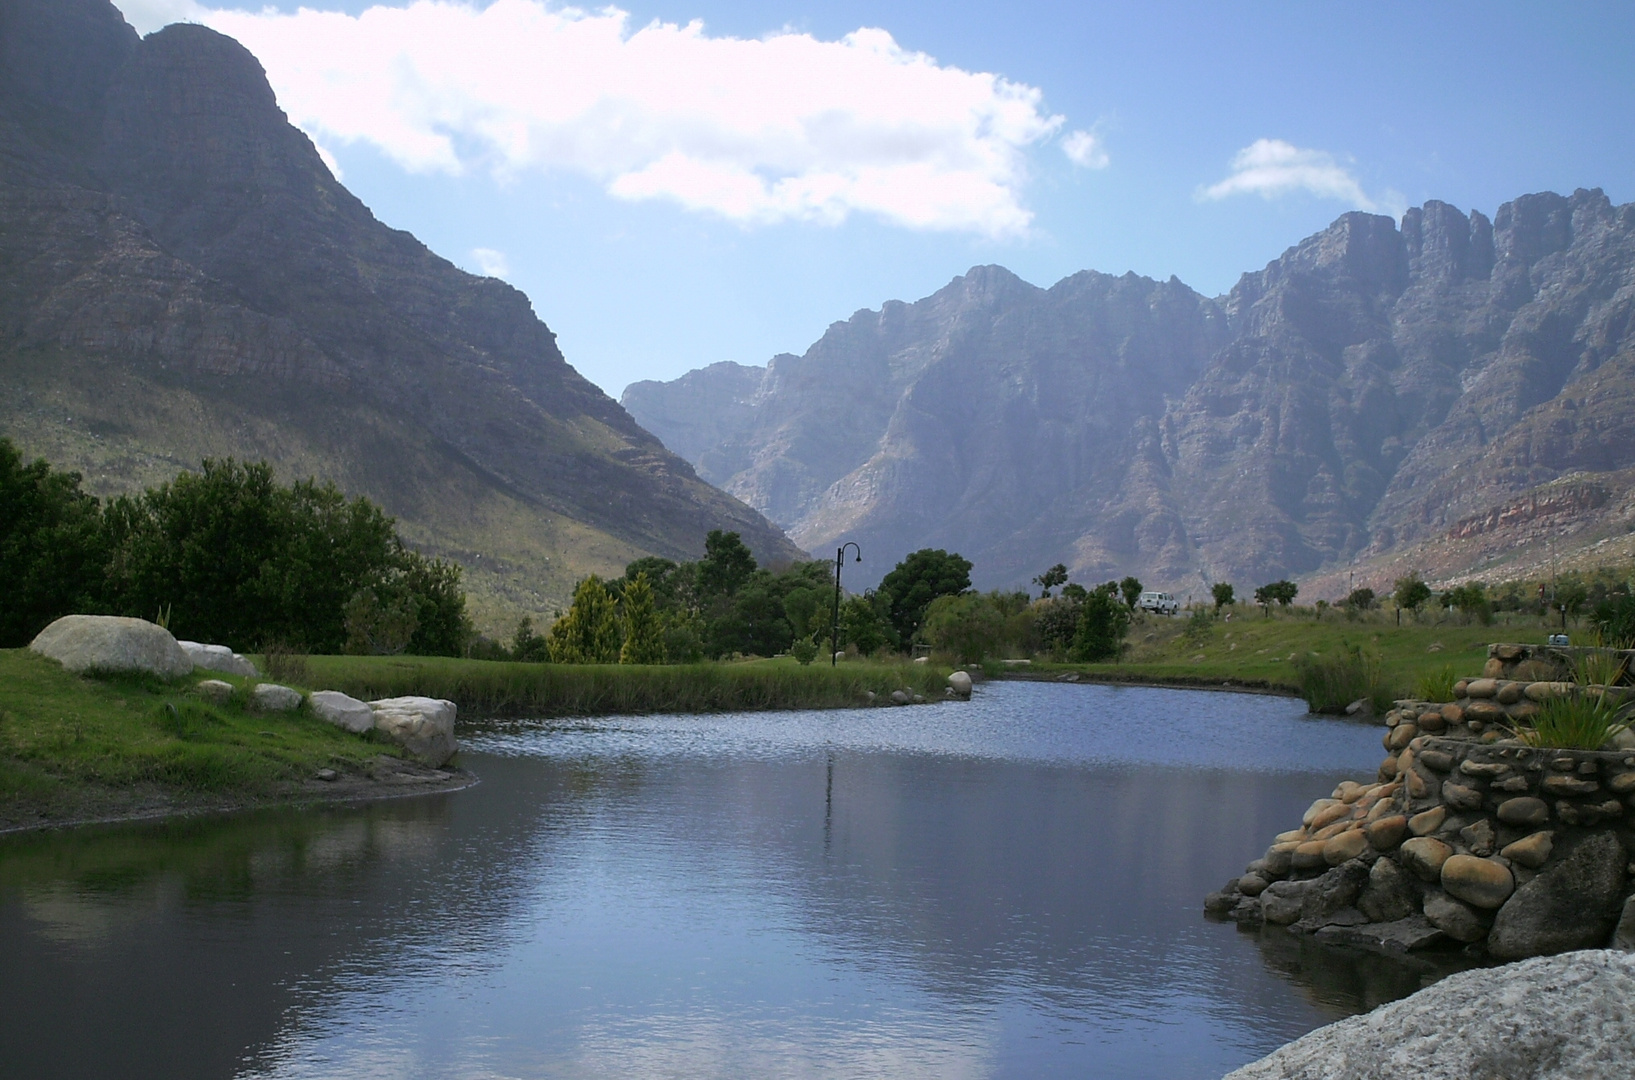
1130	587
1601	667
1614	619
52	549
1411	592
1360	599
1330	683
1103	622
804	650
1438	685
1281	593
1222	593
1579	722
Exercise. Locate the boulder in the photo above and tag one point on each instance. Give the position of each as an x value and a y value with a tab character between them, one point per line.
1557	1018
270	697
218	658
960	683
1425	855
1572	904
343	711
1399	936
214	691
1623	935
1525	811
1336	889
1483	883
423	726
1453	917
107	643
1389	895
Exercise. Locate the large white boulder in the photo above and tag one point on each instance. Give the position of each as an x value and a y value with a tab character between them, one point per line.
109	643
218	658
421	725
1566	1017
270	697
342	710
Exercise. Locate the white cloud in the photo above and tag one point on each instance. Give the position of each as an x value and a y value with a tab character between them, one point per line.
1084	149
149	15
784	127
1271	167
491	263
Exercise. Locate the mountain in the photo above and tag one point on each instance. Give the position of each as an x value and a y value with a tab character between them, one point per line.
1448	395
185	278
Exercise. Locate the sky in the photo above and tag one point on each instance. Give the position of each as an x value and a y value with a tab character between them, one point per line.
678	182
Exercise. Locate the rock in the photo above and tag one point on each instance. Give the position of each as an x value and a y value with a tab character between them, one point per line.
1309	855
1425	855
1344	847
1487	770
328	775
107	643
1279	860
1526	812
960	683
1531	851
1413	931
270	697
1400	736
1452	714
900	697
1432	721
1219	903
1247	910
1570	905
1461	797
1484	712
1569	785
215	691
1559	1018
1338	888
1622	784
1440	760
1362	706
1623	935
1508	694
1387	832
343	711
1452	917
1423	824
1337	811
1481	688
1419	784
1491	669
1280	903
1252	884
1482	883
218	658
1478	837
1389	894
423	726
1544	691
1508	653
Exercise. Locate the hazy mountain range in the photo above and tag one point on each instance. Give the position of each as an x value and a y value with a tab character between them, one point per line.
183	278
1446	395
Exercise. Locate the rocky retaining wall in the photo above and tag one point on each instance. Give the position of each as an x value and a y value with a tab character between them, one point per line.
1465	837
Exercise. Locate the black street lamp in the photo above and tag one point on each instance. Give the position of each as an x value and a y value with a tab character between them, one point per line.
834	630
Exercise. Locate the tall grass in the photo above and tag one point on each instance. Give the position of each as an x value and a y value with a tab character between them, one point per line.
1600	667
1329	683
1579	722
1437	685
547	690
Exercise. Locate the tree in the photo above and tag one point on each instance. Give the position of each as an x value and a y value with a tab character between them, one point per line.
726	565
52	547
1280	592
1103	622
643	635
1055	621
916	581
1056	575
1131	588
1411	592
862	624
1360	599
801	606
1470	598
1614	618
442	627
527	645
968	627
1222	592
377	626
589	632
1571	594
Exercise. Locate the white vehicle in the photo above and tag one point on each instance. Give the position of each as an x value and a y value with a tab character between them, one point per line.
1159	603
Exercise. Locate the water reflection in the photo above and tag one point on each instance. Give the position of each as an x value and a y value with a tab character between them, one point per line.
1006	888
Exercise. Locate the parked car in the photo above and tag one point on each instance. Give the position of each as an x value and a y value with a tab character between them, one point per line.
1159	603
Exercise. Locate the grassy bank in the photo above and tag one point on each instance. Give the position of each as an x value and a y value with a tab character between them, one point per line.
1268	653
73	748
496	688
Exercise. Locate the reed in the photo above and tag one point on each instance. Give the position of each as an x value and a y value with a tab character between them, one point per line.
1331	682
1437	685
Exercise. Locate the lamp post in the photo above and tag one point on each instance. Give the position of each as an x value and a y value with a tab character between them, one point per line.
834	629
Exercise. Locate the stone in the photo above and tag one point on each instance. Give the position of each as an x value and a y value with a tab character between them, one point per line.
1395	937
1569	785
1424	855
328	775
1569	905
1389	894
1481	688
1556	1018
1280	903
1419	785
423	726
1344	847
1350	791
900	697
270	697
1252	884
1362	706
1423	824
1479	882
1309	856
1544	691
108	643
1400	736
1279	860
1333	829
1293	836
1247	910
1484	769
1478	837
960	683
1459	688
218	658
1432	721
1453	714
1492	668
1220	903
1461	797
1453	917
1484	712
1531	851
1338	811
1316	808
1336	889
1512	784
215	691
1440	760
1508	694
1387	832
1526	812
343	711
1623	935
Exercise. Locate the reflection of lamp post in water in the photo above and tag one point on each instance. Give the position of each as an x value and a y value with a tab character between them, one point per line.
834	631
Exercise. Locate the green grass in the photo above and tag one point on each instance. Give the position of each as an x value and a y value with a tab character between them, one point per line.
70	744
1580	722
497	688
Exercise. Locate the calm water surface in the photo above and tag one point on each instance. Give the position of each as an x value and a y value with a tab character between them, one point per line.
1010	887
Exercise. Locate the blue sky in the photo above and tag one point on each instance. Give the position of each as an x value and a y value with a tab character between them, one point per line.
669	196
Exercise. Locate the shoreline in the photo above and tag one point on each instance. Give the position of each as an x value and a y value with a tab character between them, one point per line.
1157	682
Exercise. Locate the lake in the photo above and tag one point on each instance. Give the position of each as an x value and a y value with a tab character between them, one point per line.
1006	887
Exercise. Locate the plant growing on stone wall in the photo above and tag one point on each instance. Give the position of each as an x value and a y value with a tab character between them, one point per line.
1437	685
1603	667
1578	722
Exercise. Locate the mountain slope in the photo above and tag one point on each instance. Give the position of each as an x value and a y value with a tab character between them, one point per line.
185	278
1356	402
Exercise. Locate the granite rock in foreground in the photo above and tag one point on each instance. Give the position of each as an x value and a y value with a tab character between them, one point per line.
108	643
1566	1017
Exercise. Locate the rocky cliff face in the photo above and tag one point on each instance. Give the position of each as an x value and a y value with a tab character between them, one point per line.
185	278
1358	402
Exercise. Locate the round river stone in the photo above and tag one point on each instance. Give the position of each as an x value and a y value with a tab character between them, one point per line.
1480	882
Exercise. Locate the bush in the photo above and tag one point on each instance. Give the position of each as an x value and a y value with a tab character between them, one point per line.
968	628
1103	622
915	582
1330	683
1580	722
1411	592
804	650
1614	619
1438	685
1222	593
1360	599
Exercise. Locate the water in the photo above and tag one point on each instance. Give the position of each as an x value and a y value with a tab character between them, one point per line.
1010	887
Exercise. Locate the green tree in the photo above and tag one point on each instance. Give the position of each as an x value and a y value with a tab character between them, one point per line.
442	626
643	634
589	632
377	626
1360	599
52	547
916	581
1055	622
1056	575
528	645
1280	592
1223	594
1411	592
1103	622
1131	588
804	650
801	606
1571	594
1471	599
726	565
862	624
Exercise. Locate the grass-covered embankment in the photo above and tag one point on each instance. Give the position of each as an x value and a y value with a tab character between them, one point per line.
75	748
502	688
1253	651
